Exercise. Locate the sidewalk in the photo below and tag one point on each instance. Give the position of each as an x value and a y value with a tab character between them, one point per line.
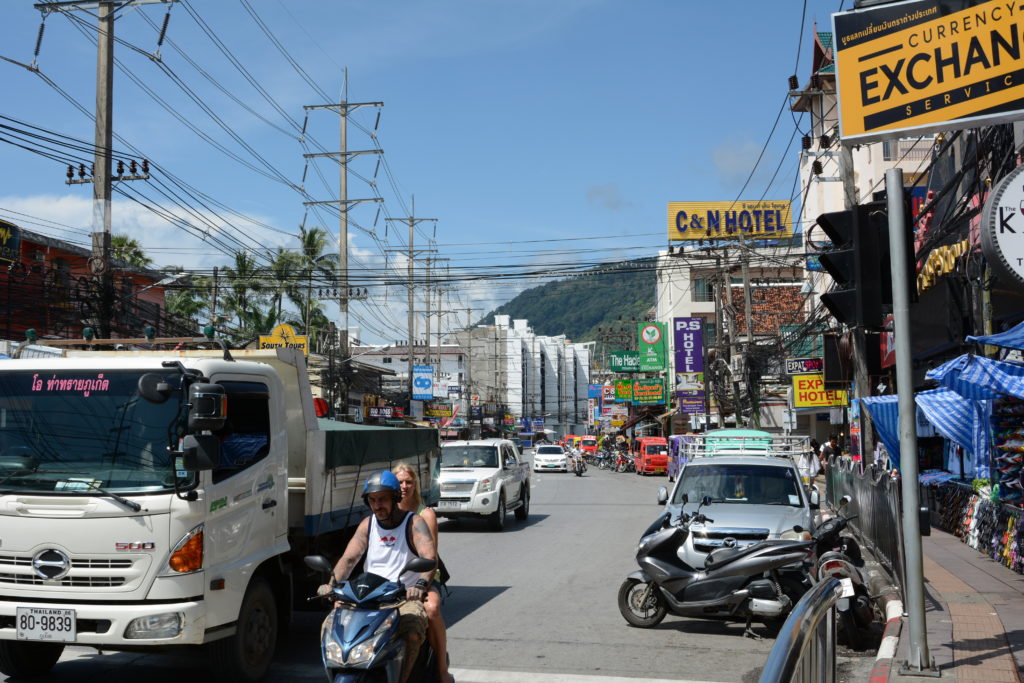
974	609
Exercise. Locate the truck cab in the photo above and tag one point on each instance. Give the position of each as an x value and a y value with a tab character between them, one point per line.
651	455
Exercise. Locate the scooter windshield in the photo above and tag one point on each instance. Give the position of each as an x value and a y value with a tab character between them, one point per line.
75	432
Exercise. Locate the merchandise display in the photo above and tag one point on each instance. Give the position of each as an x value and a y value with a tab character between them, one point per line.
994	529
1008	448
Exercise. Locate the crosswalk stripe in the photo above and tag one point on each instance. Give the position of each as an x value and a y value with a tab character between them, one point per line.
485	676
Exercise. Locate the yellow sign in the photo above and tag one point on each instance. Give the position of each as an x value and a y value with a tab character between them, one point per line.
283	337
729	220
927	65
809	392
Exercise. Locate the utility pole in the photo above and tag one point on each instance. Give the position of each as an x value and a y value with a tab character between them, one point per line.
861	380
412	221
343	108
102	181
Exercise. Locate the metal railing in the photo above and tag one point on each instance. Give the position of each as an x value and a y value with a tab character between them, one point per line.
878	505
805	649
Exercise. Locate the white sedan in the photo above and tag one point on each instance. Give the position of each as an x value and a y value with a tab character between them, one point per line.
550	459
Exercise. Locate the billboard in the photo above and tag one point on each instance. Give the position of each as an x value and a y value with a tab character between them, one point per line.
926	66
804	366
422	382
10	242
624	361
623	390
809	392
648	392
650	339
688	338
766	219
593	391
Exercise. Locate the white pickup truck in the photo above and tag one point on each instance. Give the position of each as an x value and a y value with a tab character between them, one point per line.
484	478
155	499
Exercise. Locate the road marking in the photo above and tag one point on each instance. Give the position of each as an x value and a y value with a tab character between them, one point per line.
485	676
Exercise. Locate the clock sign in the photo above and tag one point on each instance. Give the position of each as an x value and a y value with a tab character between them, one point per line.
650	334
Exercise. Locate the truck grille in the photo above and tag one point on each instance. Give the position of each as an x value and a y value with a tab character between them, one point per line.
458	486
17	570
706	540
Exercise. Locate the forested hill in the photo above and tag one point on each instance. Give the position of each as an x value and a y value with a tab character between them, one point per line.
576	306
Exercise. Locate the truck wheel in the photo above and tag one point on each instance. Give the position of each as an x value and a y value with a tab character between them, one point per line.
523	511
20	659
497	518
246	656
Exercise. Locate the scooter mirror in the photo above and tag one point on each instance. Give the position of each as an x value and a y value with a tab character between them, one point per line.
420	565
845	500
686	498
663	495
705	501
318	563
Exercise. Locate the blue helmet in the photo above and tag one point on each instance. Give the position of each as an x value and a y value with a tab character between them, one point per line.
385	480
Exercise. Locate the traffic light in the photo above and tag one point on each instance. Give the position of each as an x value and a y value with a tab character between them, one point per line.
859	263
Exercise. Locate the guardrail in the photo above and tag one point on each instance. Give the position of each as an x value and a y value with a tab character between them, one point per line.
805	649
878	505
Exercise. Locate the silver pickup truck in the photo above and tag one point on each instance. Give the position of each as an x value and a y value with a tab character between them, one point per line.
483	478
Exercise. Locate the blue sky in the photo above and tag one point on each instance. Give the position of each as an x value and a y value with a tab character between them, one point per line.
537	132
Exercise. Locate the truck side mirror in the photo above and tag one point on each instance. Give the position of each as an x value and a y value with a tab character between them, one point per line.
815	498
200	452
662	495
208	407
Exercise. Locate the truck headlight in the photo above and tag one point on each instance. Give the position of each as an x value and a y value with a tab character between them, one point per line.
154	626
487	485
791	535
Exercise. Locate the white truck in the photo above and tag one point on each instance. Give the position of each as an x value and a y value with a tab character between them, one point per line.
153	499
483	478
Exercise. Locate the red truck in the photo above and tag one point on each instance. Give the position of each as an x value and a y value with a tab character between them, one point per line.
651	455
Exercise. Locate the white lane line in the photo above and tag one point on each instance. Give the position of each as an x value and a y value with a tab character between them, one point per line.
485	676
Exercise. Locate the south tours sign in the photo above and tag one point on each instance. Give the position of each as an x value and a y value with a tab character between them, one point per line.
926	66
688	338
729	220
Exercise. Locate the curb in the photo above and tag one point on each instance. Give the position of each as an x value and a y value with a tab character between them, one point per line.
890	640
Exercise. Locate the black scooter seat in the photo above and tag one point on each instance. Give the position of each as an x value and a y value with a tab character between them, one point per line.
721	556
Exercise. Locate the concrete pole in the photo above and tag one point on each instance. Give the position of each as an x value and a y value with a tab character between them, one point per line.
412	329
101	183
919	658
343	224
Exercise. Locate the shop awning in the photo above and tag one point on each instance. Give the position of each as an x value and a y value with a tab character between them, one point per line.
885	416
977	377
961	420
1012	338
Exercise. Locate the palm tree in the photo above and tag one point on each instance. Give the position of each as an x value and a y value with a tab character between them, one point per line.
282	276
128	250
314	261
245	285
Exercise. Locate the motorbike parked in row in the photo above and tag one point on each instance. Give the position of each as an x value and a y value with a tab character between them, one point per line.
624	462
761	581
839	556
359	641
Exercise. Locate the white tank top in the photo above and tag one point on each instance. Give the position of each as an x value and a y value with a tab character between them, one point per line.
388	551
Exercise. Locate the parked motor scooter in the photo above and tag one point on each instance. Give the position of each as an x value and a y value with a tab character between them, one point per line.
839	556
736	582
359	639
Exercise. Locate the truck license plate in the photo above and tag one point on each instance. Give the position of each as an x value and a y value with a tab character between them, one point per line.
38	623
448	504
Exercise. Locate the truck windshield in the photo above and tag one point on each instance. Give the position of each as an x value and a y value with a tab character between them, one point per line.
469	456
73	432
742	484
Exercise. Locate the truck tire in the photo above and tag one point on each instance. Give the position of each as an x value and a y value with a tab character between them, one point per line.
497	518
20	659
523	511
246	656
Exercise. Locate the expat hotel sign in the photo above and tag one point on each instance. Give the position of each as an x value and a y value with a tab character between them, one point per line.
809	392
283	337
928	65
729	220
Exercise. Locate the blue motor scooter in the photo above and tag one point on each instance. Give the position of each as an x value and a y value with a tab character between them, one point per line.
358	641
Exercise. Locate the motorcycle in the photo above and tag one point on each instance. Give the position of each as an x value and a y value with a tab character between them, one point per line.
578	466
840	557
736	582
624	462
359	639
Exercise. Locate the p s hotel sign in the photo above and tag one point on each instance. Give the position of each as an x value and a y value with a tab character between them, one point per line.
928	65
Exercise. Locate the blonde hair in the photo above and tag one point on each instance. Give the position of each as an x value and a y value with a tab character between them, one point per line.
417	500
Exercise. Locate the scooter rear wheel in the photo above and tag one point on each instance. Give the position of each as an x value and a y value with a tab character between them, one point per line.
646	615
849	631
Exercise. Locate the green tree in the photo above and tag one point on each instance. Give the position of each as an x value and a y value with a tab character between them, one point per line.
128	250
313	263
281	278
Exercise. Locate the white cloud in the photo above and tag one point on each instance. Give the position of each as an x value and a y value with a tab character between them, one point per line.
607	197
733	161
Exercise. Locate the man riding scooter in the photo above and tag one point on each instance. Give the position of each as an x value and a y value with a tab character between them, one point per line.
389	538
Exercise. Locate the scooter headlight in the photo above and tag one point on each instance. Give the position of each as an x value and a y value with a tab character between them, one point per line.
333	652
364	650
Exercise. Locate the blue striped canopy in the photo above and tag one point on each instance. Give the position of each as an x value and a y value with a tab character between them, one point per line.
977	377
1012	338
962	421
885	416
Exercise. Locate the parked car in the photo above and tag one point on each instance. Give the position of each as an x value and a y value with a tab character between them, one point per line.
755	498
651	455
550	458
484	478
